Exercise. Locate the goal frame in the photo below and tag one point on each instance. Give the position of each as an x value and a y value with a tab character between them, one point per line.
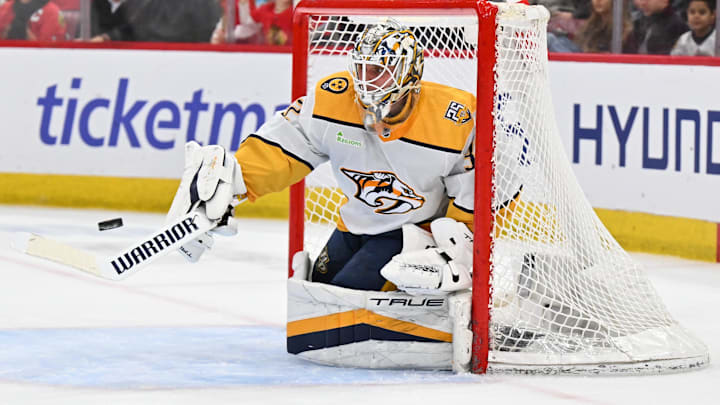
484	145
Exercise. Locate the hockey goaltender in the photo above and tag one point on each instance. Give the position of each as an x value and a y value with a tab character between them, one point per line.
390	287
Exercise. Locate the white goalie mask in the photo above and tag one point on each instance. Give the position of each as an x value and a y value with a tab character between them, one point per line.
386	65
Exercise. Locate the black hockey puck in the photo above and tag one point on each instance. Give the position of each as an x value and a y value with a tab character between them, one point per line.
110	224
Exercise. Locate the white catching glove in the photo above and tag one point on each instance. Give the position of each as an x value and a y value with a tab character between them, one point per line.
434	270
213	178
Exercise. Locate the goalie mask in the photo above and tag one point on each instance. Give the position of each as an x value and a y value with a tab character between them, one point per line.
386	65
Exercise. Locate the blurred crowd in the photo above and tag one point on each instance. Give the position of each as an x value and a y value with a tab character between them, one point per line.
676	27
256	21
657	27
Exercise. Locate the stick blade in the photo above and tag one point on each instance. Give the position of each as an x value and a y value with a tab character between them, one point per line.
58	252
126	262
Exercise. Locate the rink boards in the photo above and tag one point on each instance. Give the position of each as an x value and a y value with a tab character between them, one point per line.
105	128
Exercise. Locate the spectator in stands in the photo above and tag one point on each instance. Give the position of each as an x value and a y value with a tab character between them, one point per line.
106	16
273	18
70	10
680	7
34	20
566	18
595	36
579	9
700	40
247	31
163	21
276	19
657	28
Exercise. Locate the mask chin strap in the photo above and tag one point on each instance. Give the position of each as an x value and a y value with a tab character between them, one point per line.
376	119
373	115
374	124
373	118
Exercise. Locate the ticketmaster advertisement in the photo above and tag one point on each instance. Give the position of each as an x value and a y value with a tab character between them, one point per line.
128	113
638	138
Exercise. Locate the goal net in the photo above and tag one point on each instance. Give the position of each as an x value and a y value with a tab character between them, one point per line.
553	291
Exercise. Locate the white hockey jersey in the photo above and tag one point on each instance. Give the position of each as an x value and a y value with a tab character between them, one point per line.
422	170
686	45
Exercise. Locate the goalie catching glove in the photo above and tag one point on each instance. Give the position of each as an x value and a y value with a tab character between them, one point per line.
433	264
212	178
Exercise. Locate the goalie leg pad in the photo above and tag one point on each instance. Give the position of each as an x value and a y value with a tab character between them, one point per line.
300	265
460	312
370	329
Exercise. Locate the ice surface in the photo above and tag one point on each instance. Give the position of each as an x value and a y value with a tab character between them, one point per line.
213	332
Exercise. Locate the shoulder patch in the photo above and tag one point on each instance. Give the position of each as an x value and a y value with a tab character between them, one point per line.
458	113
335	85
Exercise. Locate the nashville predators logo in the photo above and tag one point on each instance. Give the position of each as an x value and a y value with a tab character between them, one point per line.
384	190
335	85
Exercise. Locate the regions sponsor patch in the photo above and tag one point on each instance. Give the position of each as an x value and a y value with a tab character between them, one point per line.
458	113
335	85
341	138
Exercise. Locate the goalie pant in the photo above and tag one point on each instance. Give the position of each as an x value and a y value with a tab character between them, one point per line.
370	329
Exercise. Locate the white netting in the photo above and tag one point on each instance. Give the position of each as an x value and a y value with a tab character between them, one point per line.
565	293
566	296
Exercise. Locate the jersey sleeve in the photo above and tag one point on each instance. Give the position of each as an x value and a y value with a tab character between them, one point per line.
460	185
281	152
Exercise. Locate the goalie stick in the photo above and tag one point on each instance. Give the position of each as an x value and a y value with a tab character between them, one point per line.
127	262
